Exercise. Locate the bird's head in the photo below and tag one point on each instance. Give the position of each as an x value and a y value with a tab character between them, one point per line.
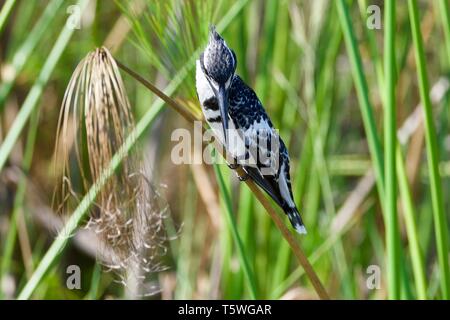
218	63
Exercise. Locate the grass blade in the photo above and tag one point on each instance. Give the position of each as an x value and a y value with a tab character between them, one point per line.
445	17
22	55
36	91
392	234
409	213
407	201
4	13
20	196
363	96
231	222
440	223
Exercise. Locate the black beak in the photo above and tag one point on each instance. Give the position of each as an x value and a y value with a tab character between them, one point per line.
222	97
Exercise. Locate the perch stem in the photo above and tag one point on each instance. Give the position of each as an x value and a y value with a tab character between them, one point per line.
287	235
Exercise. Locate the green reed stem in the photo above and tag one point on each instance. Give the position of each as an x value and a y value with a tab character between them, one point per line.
363	96
35	93
392	233
411	228
4	13
445	17
440	223
23	53
231	222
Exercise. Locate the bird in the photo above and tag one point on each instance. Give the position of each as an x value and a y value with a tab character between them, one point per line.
239	121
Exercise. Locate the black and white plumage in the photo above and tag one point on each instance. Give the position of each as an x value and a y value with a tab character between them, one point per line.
241	124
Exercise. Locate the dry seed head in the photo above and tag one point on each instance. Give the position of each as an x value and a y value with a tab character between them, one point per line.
127	216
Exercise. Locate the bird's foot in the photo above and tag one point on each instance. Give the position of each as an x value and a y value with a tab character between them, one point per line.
233	166
243	177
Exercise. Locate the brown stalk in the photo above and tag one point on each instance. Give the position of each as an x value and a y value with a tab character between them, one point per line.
297	250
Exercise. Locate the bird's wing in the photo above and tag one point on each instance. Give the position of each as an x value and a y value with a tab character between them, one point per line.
262	145
261	155
261	140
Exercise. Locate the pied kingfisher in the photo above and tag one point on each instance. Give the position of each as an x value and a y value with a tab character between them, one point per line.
240	123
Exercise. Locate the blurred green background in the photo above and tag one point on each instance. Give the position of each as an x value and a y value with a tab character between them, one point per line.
374	205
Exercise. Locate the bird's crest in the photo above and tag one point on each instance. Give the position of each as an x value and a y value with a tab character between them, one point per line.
213	34
219	61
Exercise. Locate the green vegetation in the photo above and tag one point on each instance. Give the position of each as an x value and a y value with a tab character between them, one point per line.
364	112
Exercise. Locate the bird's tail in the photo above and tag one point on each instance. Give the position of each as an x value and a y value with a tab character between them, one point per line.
270	187
295	219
